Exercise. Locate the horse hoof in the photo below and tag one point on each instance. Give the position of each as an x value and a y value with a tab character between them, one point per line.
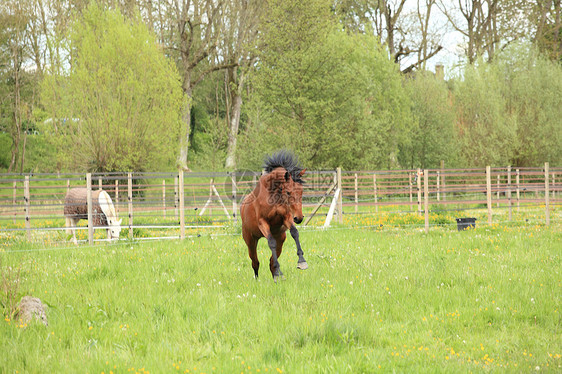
278	276
302	265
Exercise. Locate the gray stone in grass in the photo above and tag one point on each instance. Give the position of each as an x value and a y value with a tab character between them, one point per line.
31	307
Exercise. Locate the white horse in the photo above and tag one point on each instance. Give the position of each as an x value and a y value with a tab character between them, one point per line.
103	211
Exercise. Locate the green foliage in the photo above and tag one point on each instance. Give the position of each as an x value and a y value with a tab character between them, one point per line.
40	155
119	108
5	145
510	111
533	90
9	289
433	138
334	98
487	134
208	137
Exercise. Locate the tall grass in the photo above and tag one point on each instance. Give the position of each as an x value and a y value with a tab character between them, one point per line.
371	301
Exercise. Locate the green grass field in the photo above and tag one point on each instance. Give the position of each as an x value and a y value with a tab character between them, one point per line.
480	300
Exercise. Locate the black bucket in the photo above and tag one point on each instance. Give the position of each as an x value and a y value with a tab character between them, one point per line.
465	223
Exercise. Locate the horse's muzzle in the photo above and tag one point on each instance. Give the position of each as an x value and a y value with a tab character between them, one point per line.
298	219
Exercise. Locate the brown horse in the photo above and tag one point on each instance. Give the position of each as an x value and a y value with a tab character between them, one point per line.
272	208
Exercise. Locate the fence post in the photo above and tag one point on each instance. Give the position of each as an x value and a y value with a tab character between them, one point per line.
498	193
376	197
234	196
489	193
164	198
426	198
444	194
176	197
509	191
130	202
14	200
117	196
418	178
340	200
547	193
518	188
438	176
100	184
182	210
410	187
356	195
90	208
27	201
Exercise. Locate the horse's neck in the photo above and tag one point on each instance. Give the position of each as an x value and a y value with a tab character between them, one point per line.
107	205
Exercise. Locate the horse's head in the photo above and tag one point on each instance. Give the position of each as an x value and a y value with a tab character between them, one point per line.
283	190
114	227
295	199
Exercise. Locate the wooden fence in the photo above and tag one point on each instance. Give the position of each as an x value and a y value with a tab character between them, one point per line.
173	205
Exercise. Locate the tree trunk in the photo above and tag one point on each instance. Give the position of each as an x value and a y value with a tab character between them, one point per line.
186	124
14	154
23	151
234	123
556	33
16	135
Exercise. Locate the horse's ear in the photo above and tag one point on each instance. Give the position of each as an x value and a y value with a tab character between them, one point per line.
302	172
119	223
287	176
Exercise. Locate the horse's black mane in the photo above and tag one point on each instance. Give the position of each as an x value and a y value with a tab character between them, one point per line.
284	159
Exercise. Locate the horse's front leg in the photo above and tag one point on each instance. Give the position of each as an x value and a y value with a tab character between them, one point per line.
68	225
272	242
302	262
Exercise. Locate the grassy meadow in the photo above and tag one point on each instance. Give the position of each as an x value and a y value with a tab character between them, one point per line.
373	300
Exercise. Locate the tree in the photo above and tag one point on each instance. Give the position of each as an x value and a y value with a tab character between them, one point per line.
119	107
425	35
547	16
15	104
333	97
532	91
239	48
488	26
487	133
433	138
191	32
408	34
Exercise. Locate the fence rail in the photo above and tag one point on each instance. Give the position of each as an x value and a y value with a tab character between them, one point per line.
168	204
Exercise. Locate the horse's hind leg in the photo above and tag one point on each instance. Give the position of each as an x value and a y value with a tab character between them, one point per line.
302	262
252	244
70	224
73	225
